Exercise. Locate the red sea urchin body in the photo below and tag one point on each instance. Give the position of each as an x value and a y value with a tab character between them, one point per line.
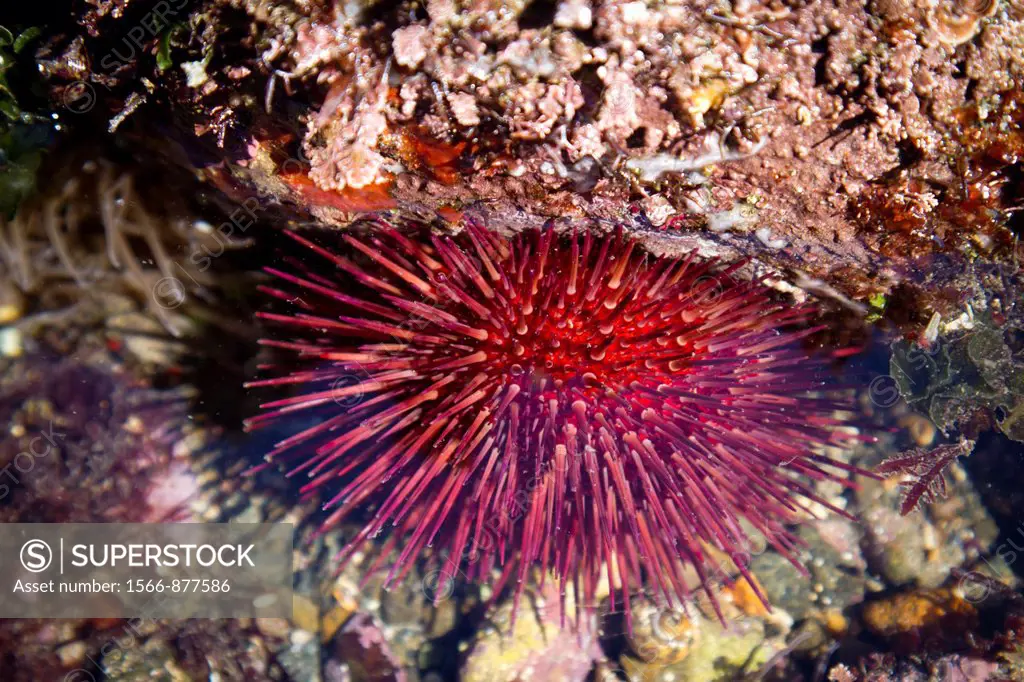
554	401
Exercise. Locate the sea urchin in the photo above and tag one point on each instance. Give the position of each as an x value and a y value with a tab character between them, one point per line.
560	401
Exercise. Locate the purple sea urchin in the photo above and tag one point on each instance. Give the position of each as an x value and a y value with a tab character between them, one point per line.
560	401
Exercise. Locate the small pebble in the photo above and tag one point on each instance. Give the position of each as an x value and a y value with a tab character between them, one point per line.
274	627
10	342
72	654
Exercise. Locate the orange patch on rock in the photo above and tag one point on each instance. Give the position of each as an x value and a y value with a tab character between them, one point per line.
920	620
744	596
419	152
450	214
375	197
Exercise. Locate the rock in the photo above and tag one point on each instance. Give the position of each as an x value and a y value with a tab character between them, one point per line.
278	628
301	660
720	655
404	613
11	342
834	561
305	614
362	647
535	647
72	655
336	672
12	303
912	621
154	660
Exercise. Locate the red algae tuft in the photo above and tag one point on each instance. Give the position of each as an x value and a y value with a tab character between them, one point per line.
560	401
